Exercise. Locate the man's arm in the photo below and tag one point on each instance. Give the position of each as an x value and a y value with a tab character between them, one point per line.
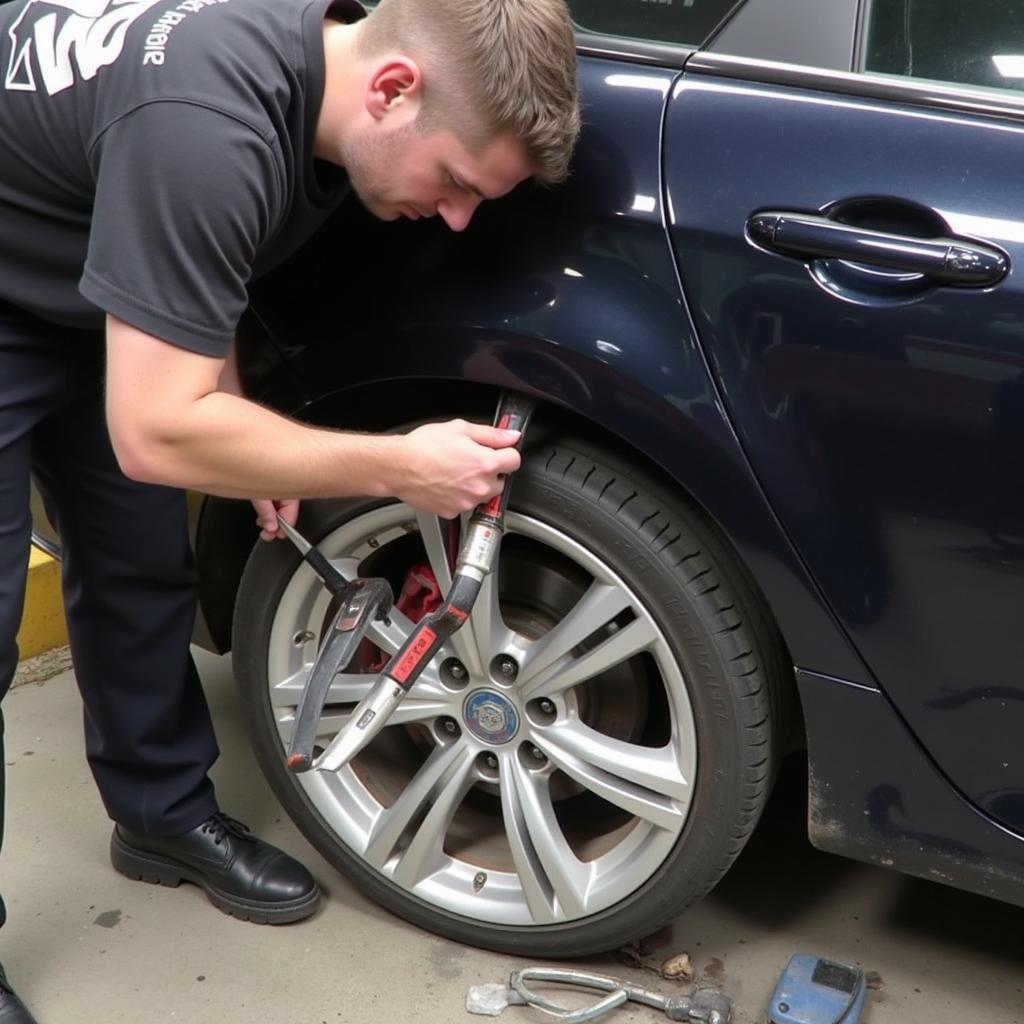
170	424
267	509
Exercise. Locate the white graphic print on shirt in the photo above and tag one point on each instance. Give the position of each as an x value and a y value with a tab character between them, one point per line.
59	37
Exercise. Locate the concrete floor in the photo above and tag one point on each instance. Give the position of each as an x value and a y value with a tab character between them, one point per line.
84	945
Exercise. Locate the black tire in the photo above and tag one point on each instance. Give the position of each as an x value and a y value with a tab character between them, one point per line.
718	631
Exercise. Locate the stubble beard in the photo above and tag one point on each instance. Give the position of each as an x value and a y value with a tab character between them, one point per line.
370	164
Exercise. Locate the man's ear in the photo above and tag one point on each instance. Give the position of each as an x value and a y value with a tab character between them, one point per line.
395	82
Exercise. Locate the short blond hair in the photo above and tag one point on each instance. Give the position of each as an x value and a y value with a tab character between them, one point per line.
490	67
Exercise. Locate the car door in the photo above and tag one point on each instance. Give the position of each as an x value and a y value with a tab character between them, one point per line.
844	187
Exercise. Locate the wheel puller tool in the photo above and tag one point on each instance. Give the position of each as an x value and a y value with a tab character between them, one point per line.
477	556
702	1006
360	602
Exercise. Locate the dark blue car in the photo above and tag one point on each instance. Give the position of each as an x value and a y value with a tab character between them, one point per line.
773	497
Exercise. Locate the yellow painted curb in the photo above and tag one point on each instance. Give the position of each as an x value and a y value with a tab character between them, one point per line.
42	623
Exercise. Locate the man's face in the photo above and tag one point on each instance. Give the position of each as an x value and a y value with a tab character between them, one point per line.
403	173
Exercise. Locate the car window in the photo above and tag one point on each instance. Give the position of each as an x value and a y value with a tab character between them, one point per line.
685	22
979	43
814	33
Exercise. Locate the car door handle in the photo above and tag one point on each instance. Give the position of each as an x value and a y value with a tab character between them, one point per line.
952	261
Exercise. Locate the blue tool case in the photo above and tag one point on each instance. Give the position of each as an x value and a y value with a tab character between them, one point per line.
813	990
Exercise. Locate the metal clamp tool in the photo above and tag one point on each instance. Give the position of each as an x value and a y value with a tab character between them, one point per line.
363	600
366	600
360	601
703	1006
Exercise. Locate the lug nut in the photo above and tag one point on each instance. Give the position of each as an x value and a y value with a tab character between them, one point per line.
547	707
537	753
492	761
507	667
454	673
450	726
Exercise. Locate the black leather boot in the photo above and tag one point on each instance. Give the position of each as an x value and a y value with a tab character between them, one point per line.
240	874
12	1009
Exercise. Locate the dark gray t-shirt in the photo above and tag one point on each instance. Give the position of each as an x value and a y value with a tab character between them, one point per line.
155	155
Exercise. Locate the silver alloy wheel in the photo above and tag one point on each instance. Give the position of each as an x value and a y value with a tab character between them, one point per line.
481	822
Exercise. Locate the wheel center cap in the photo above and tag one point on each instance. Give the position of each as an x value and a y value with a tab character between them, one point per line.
490	716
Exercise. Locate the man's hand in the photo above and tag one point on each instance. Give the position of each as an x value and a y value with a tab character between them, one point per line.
266	515
449	468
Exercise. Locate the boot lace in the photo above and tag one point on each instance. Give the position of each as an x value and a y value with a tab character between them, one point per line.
220	826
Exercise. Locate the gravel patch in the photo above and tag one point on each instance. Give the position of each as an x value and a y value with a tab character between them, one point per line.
43	666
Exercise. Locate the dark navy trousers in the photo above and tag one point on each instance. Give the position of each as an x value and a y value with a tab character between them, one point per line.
128	574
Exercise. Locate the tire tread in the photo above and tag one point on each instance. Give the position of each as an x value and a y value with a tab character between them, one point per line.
750	680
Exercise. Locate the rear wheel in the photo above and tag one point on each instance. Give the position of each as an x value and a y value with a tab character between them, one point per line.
580	762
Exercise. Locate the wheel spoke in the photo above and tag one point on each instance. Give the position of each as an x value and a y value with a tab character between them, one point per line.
554	880
461	644
391	635
595	609
330	722
645	781
433	794
489	629
537	889
432	534
352	687
622	645
346	688
427	701
414	709
348	567
425	852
